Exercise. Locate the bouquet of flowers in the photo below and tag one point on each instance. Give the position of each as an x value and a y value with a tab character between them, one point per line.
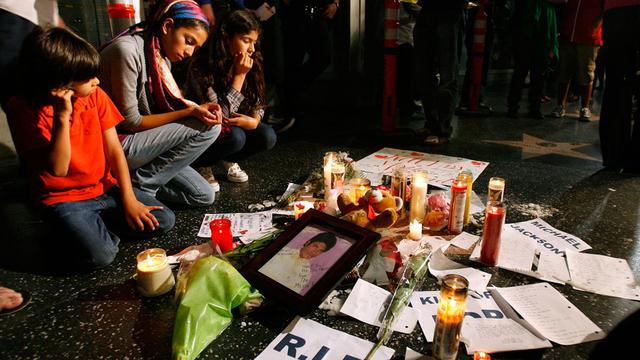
437	211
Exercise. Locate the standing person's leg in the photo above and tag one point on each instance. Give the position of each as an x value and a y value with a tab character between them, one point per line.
615	115
320	50
157	155
567	63
537	70
586	67
522	57
13	30
424	40
449	44
295	42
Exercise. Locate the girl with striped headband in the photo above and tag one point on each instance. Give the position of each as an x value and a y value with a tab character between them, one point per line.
163	132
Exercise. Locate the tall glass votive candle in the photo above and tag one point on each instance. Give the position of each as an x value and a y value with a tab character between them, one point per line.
338	171
453	298
496	189
399	188
492	232
327	163
153	274
221	234
467	176
457	205
419	181
359	187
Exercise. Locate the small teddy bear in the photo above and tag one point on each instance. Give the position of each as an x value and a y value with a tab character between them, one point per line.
376	209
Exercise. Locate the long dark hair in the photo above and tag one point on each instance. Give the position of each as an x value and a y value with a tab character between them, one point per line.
213	65
51	59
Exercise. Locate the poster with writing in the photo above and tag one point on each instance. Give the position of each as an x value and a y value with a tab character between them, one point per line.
241	223
307	339
547	237
442	169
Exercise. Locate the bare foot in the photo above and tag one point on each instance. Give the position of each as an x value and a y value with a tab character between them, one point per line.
9	299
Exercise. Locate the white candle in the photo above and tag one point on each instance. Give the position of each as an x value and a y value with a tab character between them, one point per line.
328	160
153	275
415	230
419	181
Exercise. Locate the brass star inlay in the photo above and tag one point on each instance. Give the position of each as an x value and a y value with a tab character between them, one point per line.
533	146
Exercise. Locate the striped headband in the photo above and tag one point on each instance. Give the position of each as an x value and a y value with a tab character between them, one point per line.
181	9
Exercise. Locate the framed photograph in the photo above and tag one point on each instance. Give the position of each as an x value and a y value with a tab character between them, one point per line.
308	260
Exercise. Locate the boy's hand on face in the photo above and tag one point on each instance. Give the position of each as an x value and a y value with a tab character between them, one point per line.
61	102
139	216
243	63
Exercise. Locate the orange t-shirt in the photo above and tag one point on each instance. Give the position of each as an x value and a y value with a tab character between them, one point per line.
88	176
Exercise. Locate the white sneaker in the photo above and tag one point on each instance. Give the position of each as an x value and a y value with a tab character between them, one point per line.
585	114
235	173
207	173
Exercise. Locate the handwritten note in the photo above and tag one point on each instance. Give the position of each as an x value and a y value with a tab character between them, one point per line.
442	169
547	237
307	339
465	240
602	275
546	310
241	223
368	303
498	335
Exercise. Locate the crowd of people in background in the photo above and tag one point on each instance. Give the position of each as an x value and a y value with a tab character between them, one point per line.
150	133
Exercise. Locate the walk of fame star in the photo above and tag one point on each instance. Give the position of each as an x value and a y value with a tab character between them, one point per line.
533	146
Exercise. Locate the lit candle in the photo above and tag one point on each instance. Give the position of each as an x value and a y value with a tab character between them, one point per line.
153	274
359	187
221	234
301	207
492	232
496	189
481	355
419	181
415	230
451	305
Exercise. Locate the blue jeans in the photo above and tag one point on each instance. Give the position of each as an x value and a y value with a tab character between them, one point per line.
89	227
238	145
160	157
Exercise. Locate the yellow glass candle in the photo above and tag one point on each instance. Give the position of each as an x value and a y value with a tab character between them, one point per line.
359	187
415	230
453	298
467	176
153	274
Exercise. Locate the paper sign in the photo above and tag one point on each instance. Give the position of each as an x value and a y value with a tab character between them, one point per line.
546	310
368	302
465	240
426	304
307	339
603	275
547	237
411	354
241	223
440	265
498	335
442	169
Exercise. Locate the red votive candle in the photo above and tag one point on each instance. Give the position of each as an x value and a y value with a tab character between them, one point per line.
221	234
491	232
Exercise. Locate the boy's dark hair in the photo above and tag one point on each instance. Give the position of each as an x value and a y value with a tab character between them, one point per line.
54	58
329	239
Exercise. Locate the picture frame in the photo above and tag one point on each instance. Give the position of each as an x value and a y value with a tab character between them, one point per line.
308	260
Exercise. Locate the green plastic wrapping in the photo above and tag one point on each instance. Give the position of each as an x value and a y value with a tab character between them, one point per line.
213	288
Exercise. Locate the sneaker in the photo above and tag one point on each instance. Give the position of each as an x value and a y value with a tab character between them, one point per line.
585	114
558	112
281	124
435	140
235	173
207	173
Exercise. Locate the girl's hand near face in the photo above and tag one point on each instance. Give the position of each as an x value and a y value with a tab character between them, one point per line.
242	64
242	121
62	105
